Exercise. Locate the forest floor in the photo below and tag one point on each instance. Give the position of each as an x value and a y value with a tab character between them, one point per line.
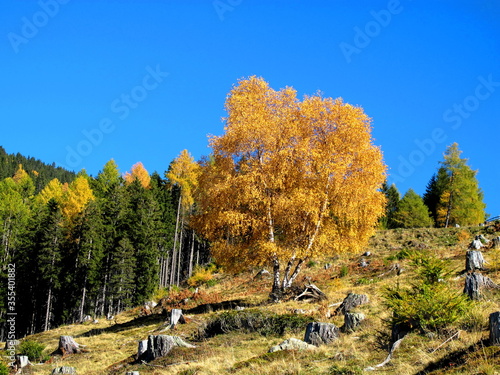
111	346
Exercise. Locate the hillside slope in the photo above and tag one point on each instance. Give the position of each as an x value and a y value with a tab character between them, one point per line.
462	348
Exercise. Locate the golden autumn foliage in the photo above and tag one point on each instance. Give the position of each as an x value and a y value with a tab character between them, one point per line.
140	173
184	172
289	179
53	190
76	197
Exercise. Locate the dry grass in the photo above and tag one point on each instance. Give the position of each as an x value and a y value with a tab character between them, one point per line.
111	346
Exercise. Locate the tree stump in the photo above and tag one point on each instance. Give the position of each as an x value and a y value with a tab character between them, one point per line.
496	242
474	260
132	373
474	282
64	370
67	345
350	302
22	361
161	345
352	322
495	328
176	317
142	347
476	244
321	333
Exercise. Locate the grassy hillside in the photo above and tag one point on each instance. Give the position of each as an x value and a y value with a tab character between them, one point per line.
111	345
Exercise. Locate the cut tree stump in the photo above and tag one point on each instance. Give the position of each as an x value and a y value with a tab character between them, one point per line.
64	370
474	260
161	345
352	322
476	244
321	333
132	373
311	293
495	328
474	282
142	347
22	361
176	317
350	302
67	345
496	242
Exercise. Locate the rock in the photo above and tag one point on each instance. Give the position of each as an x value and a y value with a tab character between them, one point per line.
95	321
494	326
64	370
352	321
240	308
321	333
363	263
367	254
132	373
292	344
87	318
350	302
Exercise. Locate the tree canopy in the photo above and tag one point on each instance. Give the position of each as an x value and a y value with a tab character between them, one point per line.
289	180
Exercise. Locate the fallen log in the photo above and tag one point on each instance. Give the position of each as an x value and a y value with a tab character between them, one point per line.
311	293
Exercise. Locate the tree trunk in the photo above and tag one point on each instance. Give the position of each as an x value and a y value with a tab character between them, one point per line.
191	257
277	290
176	317
174	250
474	260
495	328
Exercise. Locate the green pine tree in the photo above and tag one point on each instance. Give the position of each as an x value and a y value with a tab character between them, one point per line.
412	212
393	197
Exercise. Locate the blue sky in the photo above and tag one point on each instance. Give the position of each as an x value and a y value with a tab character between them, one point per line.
85	81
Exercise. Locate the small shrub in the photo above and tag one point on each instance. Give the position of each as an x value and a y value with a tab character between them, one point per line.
4	370
311	264
33	350
201	275
430	304
339	370
344	271
264	322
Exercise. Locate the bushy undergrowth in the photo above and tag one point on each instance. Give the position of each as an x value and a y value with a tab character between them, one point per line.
264	322
429	304
4	370
33	350
202	276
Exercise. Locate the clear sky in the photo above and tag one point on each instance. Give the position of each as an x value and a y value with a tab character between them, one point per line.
85	81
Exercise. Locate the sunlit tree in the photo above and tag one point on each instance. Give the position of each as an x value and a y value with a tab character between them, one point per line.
289	180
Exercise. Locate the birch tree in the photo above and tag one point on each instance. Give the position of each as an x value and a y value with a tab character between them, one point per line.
288	180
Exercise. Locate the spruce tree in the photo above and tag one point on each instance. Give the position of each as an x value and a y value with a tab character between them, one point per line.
412	212
431	197
392	202
461	199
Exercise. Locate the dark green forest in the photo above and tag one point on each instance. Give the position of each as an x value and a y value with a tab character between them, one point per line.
82	245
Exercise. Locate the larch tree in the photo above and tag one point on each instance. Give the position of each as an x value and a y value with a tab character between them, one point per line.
183	174
288	181
460	199
140	173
